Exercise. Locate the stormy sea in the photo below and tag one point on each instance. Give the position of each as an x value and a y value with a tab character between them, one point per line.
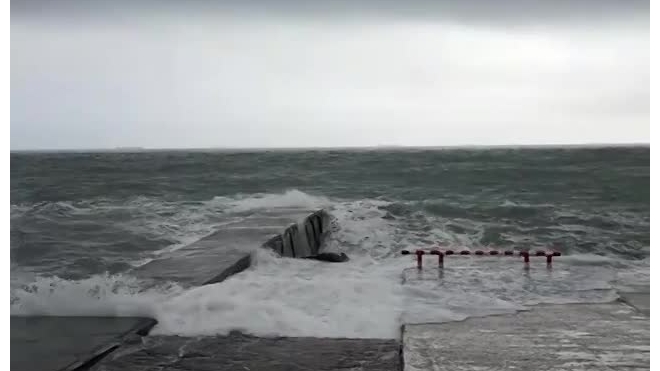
81	222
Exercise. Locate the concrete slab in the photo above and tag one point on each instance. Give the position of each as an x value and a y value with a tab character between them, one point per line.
74	343
611	336
223	253
211	259
66	343
242	352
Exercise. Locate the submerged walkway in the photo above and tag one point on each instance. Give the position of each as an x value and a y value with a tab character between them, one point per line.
225	252
606	336
78	343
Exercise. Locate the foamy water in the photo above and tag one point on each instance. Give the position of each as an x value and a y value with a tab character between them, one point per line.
369	296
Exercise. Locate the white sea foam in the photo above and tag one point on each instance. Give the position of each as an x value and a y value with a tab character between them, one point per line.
99	295
364	297
290	199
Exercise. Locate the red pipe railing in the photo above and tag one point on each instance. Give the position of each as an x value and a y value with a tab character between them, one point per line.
441	254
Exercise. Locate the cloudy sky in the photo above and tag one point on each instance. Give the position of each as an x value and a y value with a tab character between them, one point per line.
294	73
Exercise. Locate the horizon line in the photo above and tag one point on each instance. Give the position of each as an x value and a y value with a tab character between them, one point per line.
136	149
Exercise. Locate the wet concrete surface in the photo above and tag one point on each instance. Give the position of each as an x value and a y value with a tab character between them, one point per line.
242	352
227	251
76	343
218	255
611	336
66	343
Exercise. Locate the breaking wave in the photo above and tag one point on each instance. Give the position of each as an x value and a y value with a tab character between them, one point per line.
369	296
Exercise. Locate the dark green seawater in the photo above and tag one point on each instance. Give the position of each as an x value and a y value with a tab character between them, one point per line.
81	215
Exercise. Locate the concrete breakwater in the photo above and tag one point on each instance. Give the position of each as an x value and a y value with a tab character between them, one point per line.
78	343
298	240
599	336
291	233
302	239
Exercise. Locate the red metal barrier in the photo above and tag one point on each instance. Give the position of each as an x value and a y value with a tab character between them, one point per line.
525	254
419	254
441	257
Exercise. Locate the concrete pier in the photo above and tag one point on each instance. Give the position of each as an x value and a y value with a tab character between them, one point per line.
77	343
290	232
69	343
611	336
605	336
241	352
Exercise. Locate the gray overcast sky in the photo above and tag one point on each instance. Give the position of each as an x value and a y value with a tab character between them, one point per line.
293	73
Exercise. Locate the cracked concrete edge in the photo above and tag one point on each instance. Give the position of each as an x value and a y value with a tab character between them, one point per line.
87	361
